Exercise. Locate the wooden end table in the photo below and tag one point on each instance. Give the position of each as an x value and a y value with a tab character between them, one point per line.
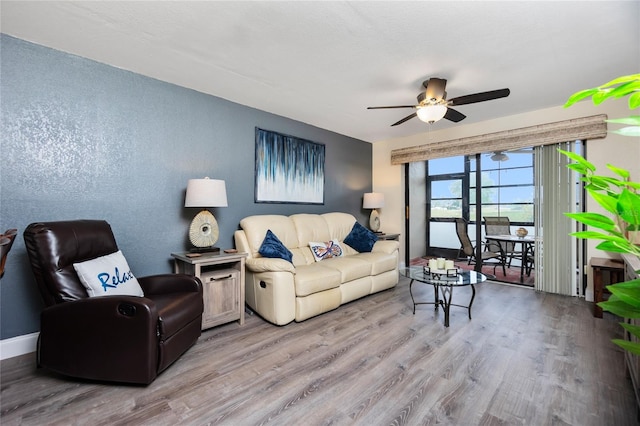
222	276
616	275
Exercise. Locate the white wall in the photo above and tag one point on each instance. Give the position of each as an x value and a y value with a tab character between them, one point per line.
618	150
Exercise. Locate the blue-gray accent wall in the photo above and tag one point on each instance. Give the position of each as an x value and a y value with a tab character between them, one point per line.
83	140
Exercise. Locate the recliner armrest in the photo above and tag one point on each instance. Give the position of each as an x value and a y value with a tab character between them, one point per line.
170	283
103	338
99	312
266	264
386	246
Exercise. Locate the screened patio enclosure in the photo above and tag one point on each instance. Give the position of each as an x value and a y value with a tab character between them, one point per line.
511	186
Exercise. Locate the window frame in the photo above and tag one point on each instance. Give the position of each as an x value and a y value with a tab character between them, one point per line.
468	186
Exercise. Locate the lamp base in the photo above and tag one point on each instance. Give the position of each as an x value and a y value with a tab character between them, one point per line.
205	250
374	221
203	232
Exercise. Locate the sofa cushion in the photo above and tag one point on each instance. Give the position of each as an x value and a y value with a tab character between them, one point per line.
313	278
339	224
302	256
380	262
326	250
272	247
255	228
108	275
360	238
350	267
310	227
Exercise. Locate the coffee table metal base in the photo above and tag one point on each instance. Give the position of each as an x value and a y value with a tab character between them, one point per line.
445	302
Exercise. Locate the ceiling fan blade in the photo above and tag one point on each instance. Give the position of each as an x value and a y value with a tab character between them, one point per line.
407	118
479	97
434	89
394	106
453	115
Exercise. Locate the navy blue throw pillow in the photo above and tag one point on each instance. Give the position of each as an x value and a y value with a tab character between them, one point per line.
361	239
272	247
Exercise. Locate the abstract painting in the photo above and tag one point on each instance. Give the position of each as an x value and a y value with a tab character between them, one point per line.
288	169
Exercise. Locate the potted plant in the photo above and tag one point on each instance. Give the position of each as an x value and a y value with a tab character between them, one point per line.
620	197
628	85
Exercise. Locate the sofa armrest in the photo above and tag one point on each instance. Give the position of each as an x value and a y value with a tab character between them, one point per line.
386	246
170	283
272	295
241	242
266	264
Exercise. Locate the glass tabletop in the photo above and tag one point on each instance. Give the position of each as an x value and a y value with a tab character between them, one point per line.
512	238
464	277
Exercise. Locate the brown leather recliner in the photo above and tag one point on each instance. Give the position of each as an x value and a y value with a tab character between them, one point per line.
113	338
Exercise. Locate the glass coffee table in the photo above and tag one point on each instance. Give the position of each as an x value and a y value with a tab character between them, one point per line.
443	284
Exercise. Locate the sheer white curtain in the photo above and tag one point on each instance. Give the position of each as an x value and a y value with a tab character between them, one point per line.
556	257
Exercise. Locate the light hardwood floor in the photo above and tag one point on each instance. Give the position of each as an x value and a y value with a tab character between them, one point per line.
525	358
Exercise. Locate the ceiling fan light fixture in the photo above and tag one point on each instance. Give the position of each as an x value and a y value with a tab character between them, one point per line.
499	156
433	104
431	113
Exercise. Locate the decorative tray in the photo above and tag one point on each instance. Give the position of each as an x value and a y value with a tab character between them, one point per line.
442	273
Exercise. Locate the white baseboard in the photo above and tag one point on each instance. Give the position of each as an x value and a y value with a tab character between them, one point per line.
19	345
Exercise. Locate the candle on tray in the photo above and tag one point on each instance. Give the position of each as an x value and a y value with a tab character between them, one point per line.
433	264
448	264
440	263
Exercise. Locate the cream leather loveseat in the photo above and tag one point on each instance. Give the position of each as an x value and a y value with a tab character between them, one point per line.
282	291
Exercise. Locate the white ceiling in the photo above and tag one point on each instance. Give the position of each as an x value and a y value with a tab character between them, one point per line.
323	63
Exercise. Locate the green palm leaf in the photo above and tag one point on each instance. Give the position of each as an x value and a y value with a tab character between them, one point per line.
632	347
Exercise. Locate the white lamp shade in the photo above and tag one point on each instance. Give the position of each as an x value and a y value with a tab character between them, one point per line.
206	193
373	200
431	113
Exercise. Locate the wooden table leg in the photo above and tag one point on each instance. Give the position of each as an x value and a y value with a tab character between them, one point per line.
616	275
597	292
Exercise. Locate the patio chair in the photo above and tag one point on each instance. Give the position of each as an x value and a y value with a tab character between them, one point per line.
501	225
488	256
529	260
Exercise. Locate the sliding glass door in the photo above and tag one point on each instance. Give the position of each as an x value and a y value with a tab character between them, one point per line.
444	189
509	185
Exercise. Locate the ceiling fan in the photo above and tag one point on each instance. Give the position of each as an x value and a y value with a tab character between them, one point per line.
499	156
433	104
502	156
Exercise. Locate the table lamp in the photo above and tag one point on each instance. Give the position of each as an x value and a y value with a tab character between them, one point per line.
374	201
203	232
